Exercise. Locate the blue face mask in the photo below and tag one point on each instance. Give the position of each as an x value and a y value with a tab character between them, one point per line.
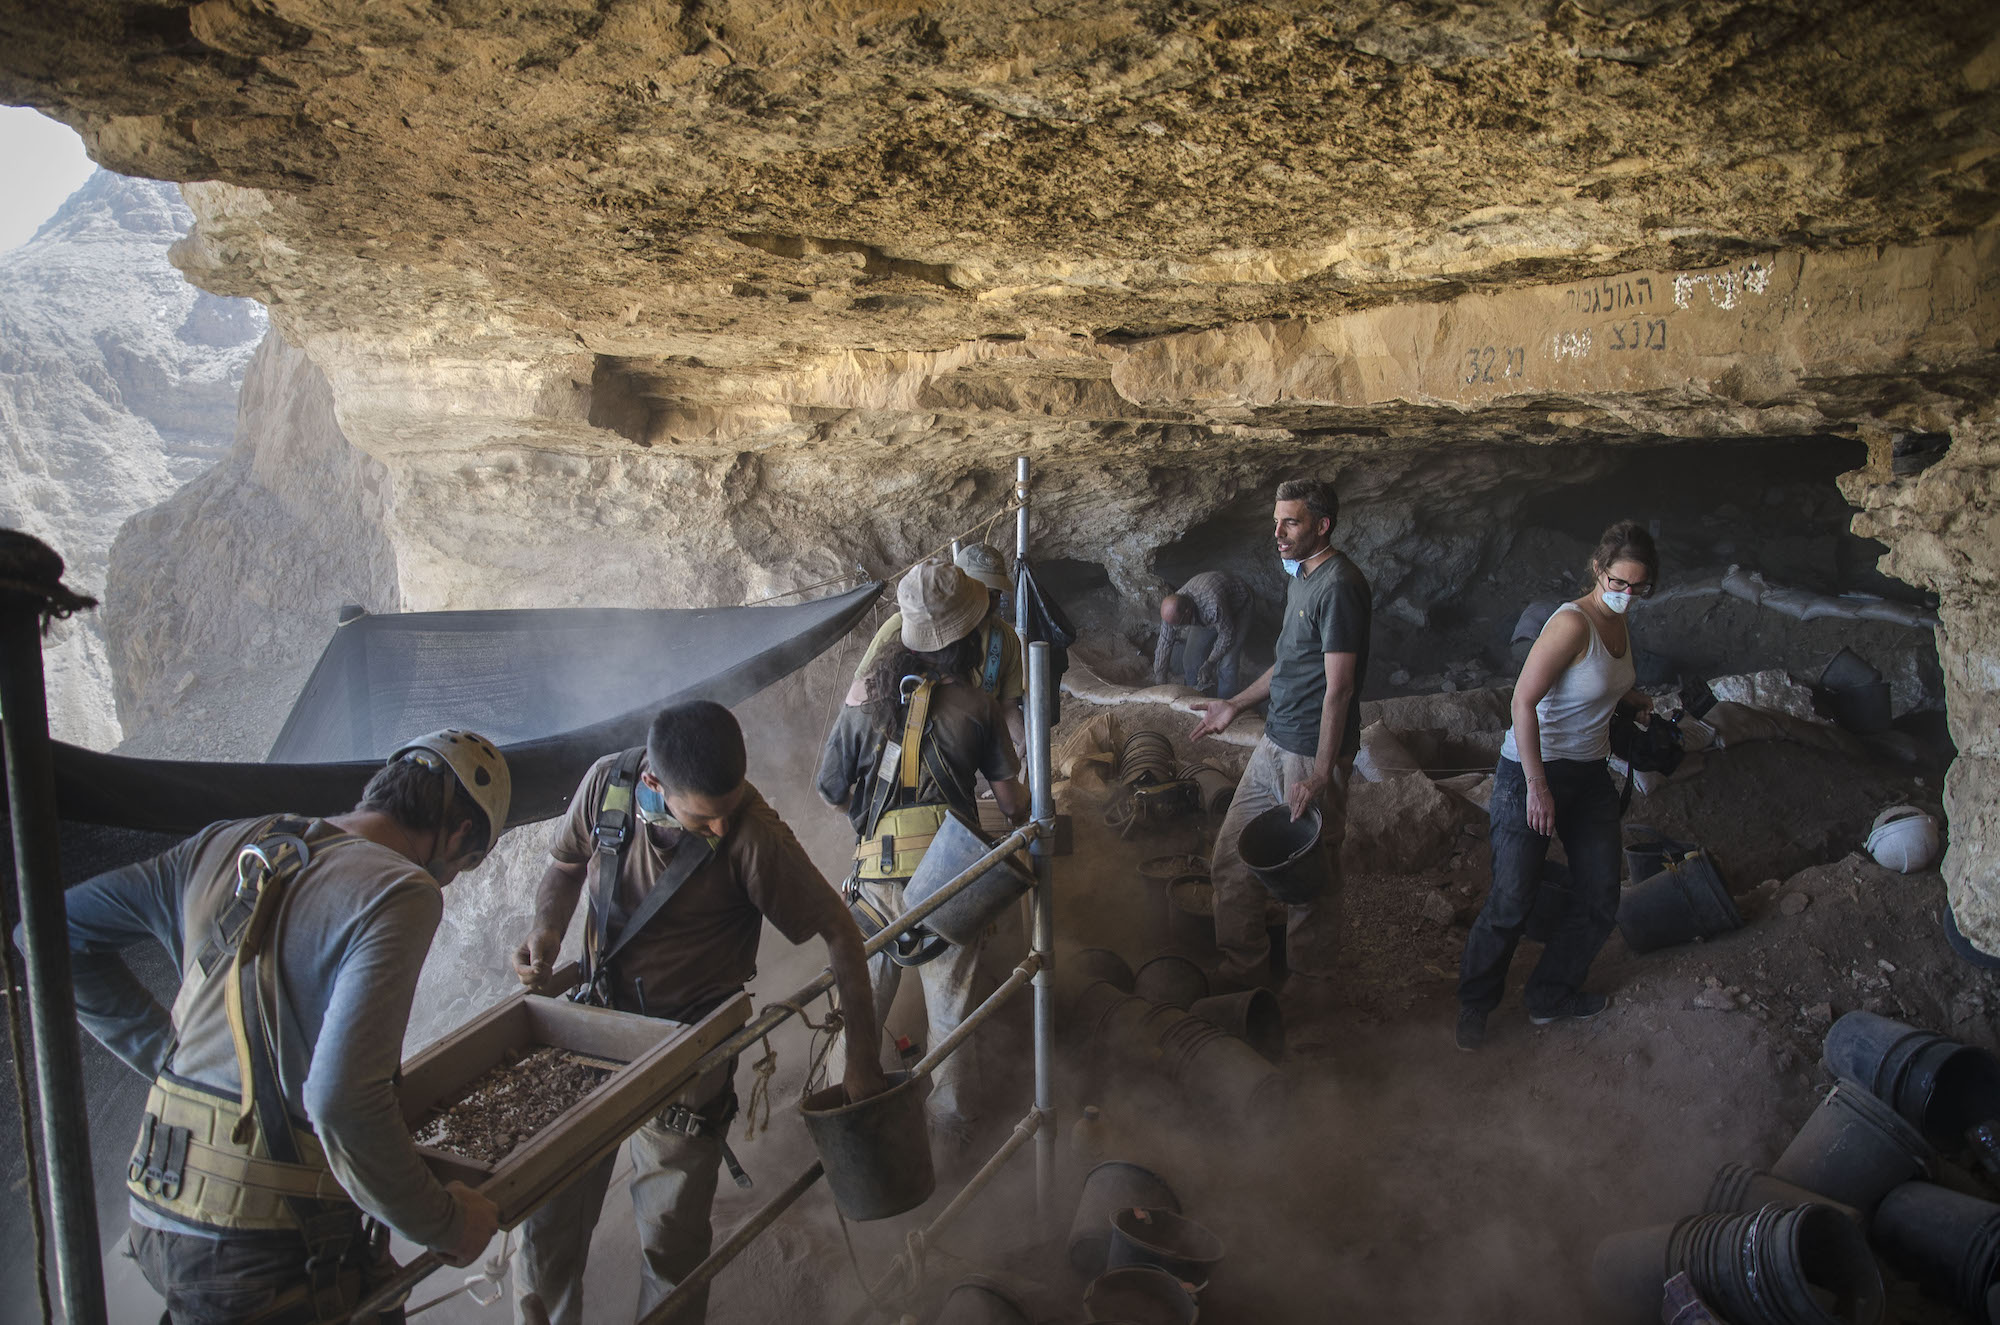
1291	567
652	807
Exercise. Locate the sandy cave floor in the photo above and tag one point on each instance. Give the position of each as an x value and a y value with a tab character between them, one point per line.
1414	1182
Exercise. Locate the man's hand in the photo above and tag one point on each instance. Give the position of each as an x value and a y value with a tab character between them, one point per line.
534	959
1216	714
1305	793
862	1079
482	1221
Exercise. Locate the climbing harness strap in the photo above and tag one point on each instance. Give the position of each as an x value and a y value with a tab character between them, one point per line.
237	1163
608	933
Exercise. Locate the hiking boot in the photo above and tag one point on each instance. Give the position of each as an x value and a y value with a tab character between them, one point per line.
1471	1029
1579	1006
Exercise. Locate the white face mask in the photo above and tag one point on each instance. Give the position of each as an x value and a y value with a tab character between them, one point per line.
1617	601
1291	567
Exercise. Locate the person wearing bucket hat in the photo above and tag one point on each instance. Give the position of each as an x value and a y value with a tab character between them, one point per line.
900	758
1552	779
684	862
996	665
1312	729
270	1165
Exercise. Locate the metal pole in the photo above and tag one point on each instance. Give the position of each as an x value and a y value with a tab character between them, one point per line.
702	1275
1043	944
31	801
719	1259
1032	1125
1020	542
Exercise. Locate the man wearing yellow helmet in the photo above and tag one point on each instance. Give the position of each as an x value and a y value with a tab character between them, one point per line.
273	1157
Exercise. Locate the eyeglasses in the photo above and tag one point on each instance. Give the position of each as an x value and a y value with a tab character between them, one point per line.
1643	589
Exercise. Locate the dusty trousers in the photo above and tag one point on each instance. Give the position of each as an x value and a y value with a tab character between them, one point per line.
673	1186
1312	931
949	994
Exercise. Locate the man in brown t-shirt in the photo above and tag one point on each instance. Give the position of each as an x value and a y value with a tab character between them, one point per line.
688	958
964	737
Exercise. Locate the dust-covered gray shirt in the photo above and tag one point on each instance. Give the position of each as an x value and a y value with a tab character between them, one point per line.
354	930
1222	604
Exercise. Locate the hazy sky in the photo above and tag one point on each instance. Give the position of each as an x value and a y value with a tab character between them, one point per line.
41	162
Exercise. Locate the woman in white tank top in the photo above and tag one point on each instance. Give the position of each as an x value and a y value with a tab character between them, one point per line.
1552	780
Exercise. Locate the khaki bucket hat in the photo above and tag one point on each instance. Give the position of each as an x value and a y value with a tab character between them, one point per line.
940	604
983	562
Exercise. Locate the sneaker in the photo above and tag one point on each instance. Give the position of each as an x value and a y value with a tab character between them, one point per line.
1579	1006
1471	1029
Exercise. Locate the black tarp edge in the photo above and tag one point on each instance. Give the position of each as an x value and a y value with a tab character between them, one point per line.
183	796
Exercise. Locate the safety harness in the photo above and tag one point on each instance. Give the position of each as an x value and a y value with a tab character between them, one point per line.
897	831
610	930
239	1164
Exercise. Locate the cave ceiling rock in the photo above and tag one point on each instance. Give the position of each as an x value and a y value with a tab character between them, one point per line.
902	178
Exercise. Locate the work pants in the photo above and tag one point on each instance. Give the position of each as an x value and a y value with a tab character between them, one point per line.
949	994
1587	821
1195	647
1312	930
230	1280
673	1186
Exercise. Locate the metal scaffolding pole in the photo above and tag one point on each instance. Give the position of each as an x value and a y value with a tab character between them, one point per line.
1020	541
1043	941
684	1292
31	574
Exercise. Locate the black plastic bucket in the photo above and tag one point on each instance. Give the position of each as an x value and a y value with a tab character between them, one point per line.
1111	1186
1251	1015
1139	1295
1100	964
1863	708
1855	1149
978	1300
1738	1188
1165	1239
877	1154
1804	1265
1284	853
964	919
1171	979
1947	1241
1647	851
1191	914
1946	1088
1846	670
1683	902
1228	1078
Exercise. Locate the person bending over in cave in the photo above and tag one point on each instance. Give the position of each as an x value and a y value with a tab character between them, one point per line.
1209	613
1312	730
684	909
1552	780
995	665
267	1194
897	762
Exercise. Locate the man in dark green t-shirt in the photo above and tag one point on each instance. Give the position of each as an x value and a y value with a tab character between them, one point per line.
1312	729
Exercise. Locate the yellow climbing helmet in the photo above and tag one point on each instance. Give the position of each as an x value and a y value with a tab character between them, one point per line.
477	763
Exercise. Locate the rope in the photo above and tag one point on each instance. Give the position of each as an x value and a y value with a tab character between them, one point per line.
859	573
760	1094
916	1237
17	1038
490	1273
822	1047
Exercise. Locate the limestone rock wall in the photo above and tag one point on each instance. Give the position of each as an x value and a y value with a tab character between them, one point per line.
219	600
1943	531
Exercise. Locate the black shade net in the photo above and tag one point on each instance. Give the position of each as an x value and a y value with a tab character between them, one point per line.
555	688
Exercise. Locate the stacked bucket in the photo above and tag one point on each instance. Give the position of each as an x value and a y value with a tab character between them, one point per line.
1146	1261
1791	1246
